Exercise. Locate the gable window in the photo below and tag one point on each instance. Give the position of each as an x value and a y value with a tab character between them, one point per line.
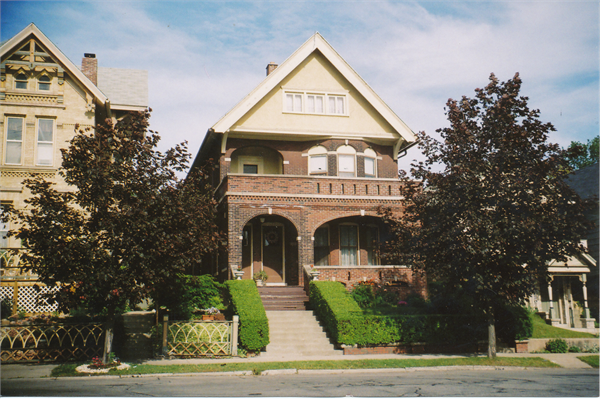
370	163
14	141
346	161
293	102
317	160
337	105
44	82
322	246
45	142
349	245
315	104
21	81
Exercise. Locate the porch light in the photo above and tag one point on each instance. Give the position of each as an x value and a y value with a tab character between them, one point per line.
262	220
362	212
299	238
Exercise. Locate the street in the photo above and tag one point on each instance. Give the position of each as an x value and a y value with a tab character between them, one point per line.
445	382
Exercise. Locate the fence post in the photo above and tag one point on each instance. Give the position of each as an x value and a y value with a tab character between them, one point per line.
234	335
16	298
165	349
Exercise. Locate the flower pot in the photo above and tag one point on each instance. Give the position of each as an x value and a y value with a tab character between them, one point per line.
208	317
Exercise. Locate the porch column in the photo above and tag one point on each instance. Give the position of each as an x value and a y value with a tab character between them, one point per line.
553	321
587	321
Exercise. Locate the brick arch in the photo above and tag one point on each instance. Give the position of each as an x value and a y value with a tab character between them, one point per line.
341	215
262	211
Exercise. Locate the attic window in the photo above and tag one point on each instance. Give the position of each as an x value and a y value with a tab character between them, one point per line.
44	82
315	103
293	102
21	81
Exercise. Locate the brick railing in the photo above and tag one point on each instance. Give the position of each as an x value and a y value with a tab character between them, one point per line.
309	185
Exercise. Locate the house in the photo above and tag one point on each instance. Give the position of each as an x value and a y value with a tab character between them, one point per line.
571	297
301	166
43	96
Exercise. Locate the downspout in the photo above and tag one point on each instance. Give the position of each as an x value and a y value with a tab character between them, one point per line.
402	152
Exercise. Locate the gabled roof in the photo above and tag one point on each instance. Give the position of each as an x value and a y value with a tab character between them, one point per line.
72	69
316	42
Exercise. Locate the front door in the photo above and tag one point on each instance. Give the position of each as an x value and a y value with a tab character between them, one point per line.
273	253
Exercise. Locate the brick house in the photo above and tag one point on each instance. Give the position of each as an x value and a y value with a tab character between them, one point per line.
43	96
302	165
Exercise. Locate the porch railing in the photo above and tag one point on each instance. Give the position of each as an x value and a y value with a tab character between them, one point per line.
54	342
200	338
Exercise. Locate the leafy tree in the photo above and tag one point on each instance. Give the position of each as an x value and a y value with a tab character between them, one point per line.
498	211
127	228
581	155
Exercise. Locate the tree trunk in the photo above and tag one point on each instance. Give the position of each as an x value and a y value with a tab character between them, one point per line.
491	335
108	337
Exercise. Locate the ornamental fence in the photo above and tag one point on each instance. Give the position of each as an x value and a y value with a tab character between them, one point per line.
53	342
200	338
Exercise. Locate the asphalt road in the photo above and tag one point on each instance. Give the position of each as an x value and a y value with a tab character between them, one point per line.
511	382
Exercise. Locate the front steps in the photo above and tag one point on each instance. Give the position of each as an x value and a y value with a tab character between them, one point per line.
294	334
283	298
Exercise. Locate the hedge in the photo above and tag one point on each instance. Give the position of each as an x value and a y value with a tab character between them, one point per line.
246	303
346	324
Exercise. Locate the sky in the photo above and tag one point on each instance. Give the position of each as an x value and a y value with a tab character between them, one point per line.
203	57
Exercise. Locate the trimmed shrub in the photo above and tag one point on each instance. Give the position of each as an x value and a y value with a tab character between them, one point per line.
513	323
189	294
557	346
244	301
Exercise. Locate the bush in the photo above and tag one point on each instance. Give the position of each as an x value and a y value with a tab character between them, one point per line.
575	349
6	307
363	295
513	323
244	301
190	294
557	346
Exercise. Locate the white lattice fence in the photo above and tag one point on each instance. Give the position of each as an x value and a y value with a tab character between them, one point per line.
30	298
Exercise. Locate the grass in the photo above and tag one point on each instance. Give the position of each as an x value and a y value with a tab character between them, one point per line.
543	330
258	367
592	360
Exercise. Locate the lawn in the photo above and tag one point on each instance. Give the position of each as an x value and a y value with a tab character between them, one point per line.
592	360
258	367
543	330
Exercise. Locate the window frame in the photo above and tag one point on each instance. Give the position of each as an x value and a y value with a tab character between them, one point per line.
44	143
7	140
317	152
325	96
40	82
356	248
346	151
371	155
17	80
319	249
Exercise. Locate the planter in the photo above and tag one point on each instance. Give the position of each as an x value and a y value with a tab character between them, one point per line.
522	346
259	283
219	317
208	317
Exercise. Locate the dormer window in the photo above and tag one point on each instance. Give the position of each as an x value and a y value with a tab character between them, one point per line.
21	81
44	82
317	160
370	163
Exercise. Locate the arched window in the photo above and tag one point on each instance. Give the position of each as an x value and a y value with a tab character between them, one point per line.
317	160
370	163
44	82
21	81
346	161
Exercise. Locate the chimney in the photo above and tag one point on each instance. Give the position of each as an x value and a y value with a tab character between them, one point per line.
271	67
89	67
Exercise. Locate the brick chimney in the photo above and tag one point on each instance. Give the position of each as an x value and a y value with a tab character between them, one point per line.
271	67
89	67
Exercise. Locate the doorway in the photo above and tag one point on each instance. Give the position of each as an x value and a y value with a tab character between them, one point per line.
273	252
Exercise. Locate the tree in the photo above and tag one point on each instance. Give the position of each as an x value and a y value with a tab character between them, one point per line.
127	228
498	211
581	155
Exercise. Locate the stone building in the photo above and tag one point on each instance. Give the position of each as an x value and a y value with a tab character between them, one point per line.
301	166
43	96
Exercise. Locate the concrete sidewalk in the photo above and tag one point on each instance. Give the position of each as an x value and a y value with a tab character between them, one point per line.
566	360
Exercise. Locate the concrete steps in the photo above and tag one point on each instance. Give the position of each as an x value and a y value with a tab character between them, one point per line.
283	298
297	334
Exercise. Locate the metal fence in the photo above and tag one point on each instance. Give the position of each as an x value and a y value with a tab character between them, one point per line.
200	338
26	343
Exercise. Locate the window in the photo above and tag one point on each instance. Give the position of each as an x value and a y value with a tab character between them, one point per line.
317	160
346	161
44	82
370	162
371	240
251	169
293	102
315	104
21	81
14	141
322	246
336	105
45	142
349	245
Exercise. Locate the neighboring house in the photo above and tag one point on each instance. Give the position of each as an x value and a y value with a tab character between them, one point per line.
302	165
572	291
43	96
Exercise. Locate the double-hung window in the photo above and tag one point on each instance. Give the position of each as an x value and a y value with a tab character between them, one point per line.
370	163
322	246
349	245
14	141
45	142
317	160
44	83
346	161
21	81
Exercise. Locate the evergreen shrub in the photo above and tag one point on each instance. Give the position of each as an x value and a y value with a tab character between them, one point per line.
244	301
558	345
